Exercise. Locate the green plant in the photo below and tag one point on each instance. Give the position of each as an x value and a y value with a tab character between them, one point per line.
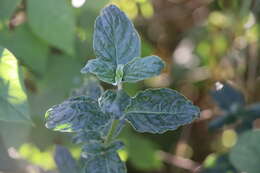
97	119
241	116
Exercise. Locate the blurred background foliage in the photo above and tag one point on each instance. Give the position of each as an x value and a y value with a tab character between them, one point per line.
212	52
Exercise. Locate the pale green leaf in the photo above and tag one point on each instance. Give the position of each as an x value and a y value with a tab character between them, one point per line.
159	110
245	155
76	114
53	21
28	49
13	99
142	68
7	7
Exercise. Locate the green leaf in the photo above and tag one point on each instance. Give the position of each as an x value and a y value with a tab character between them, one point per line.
114	103
76	114
142	68
228	98
90	87
245	154
28	49
13	99
104	70
116	42
53	21
142	151
64	160
103	159
159	110
87	136
7	8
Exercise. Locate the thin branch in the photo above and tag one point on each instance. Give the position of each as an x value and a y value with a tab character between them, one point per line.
180	162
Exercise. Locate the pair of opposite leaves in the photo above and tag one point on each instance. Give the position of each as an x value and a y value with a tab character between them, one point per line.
117	47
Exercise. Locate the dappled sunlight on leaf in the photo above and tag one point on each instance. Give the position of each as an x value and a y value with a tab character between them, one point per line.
14	106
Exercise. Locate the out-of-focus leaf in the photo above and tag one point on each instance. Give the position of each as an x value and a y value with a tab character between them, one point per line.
30	50
103	159
223	120
64	160
142	152
76	114
56	84
53	21
114	103
116	42
90	87
142	68
13	99
159	110
245	154
228	98
6	163
7	7
218	164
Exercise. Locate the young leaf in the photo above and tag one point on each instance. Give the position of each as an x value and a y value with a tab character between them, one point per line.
76	114
103	159
159	110
53	21
90	87
142	68
114	103
245	154
116	42
65	161
13	99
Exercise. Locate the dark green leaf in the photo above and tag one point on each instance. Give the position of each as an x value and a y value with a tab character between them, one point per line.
245	155
76	114
90	87
104	70
13	99
114	103
53	21
65	161
220	164
142	68
228	98
103	159
116	42
159	110
87	136
30	50
115	37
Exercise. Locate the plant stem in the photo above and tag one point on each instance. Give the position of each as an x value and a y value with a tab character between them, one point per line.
115	124
111	131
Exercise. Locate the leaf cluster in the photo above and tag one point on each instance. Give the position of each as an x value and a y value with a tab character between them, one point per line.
97	118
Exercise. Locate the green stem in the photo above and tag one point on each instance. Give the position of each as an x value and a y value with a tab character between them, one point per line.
111	131
115	123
